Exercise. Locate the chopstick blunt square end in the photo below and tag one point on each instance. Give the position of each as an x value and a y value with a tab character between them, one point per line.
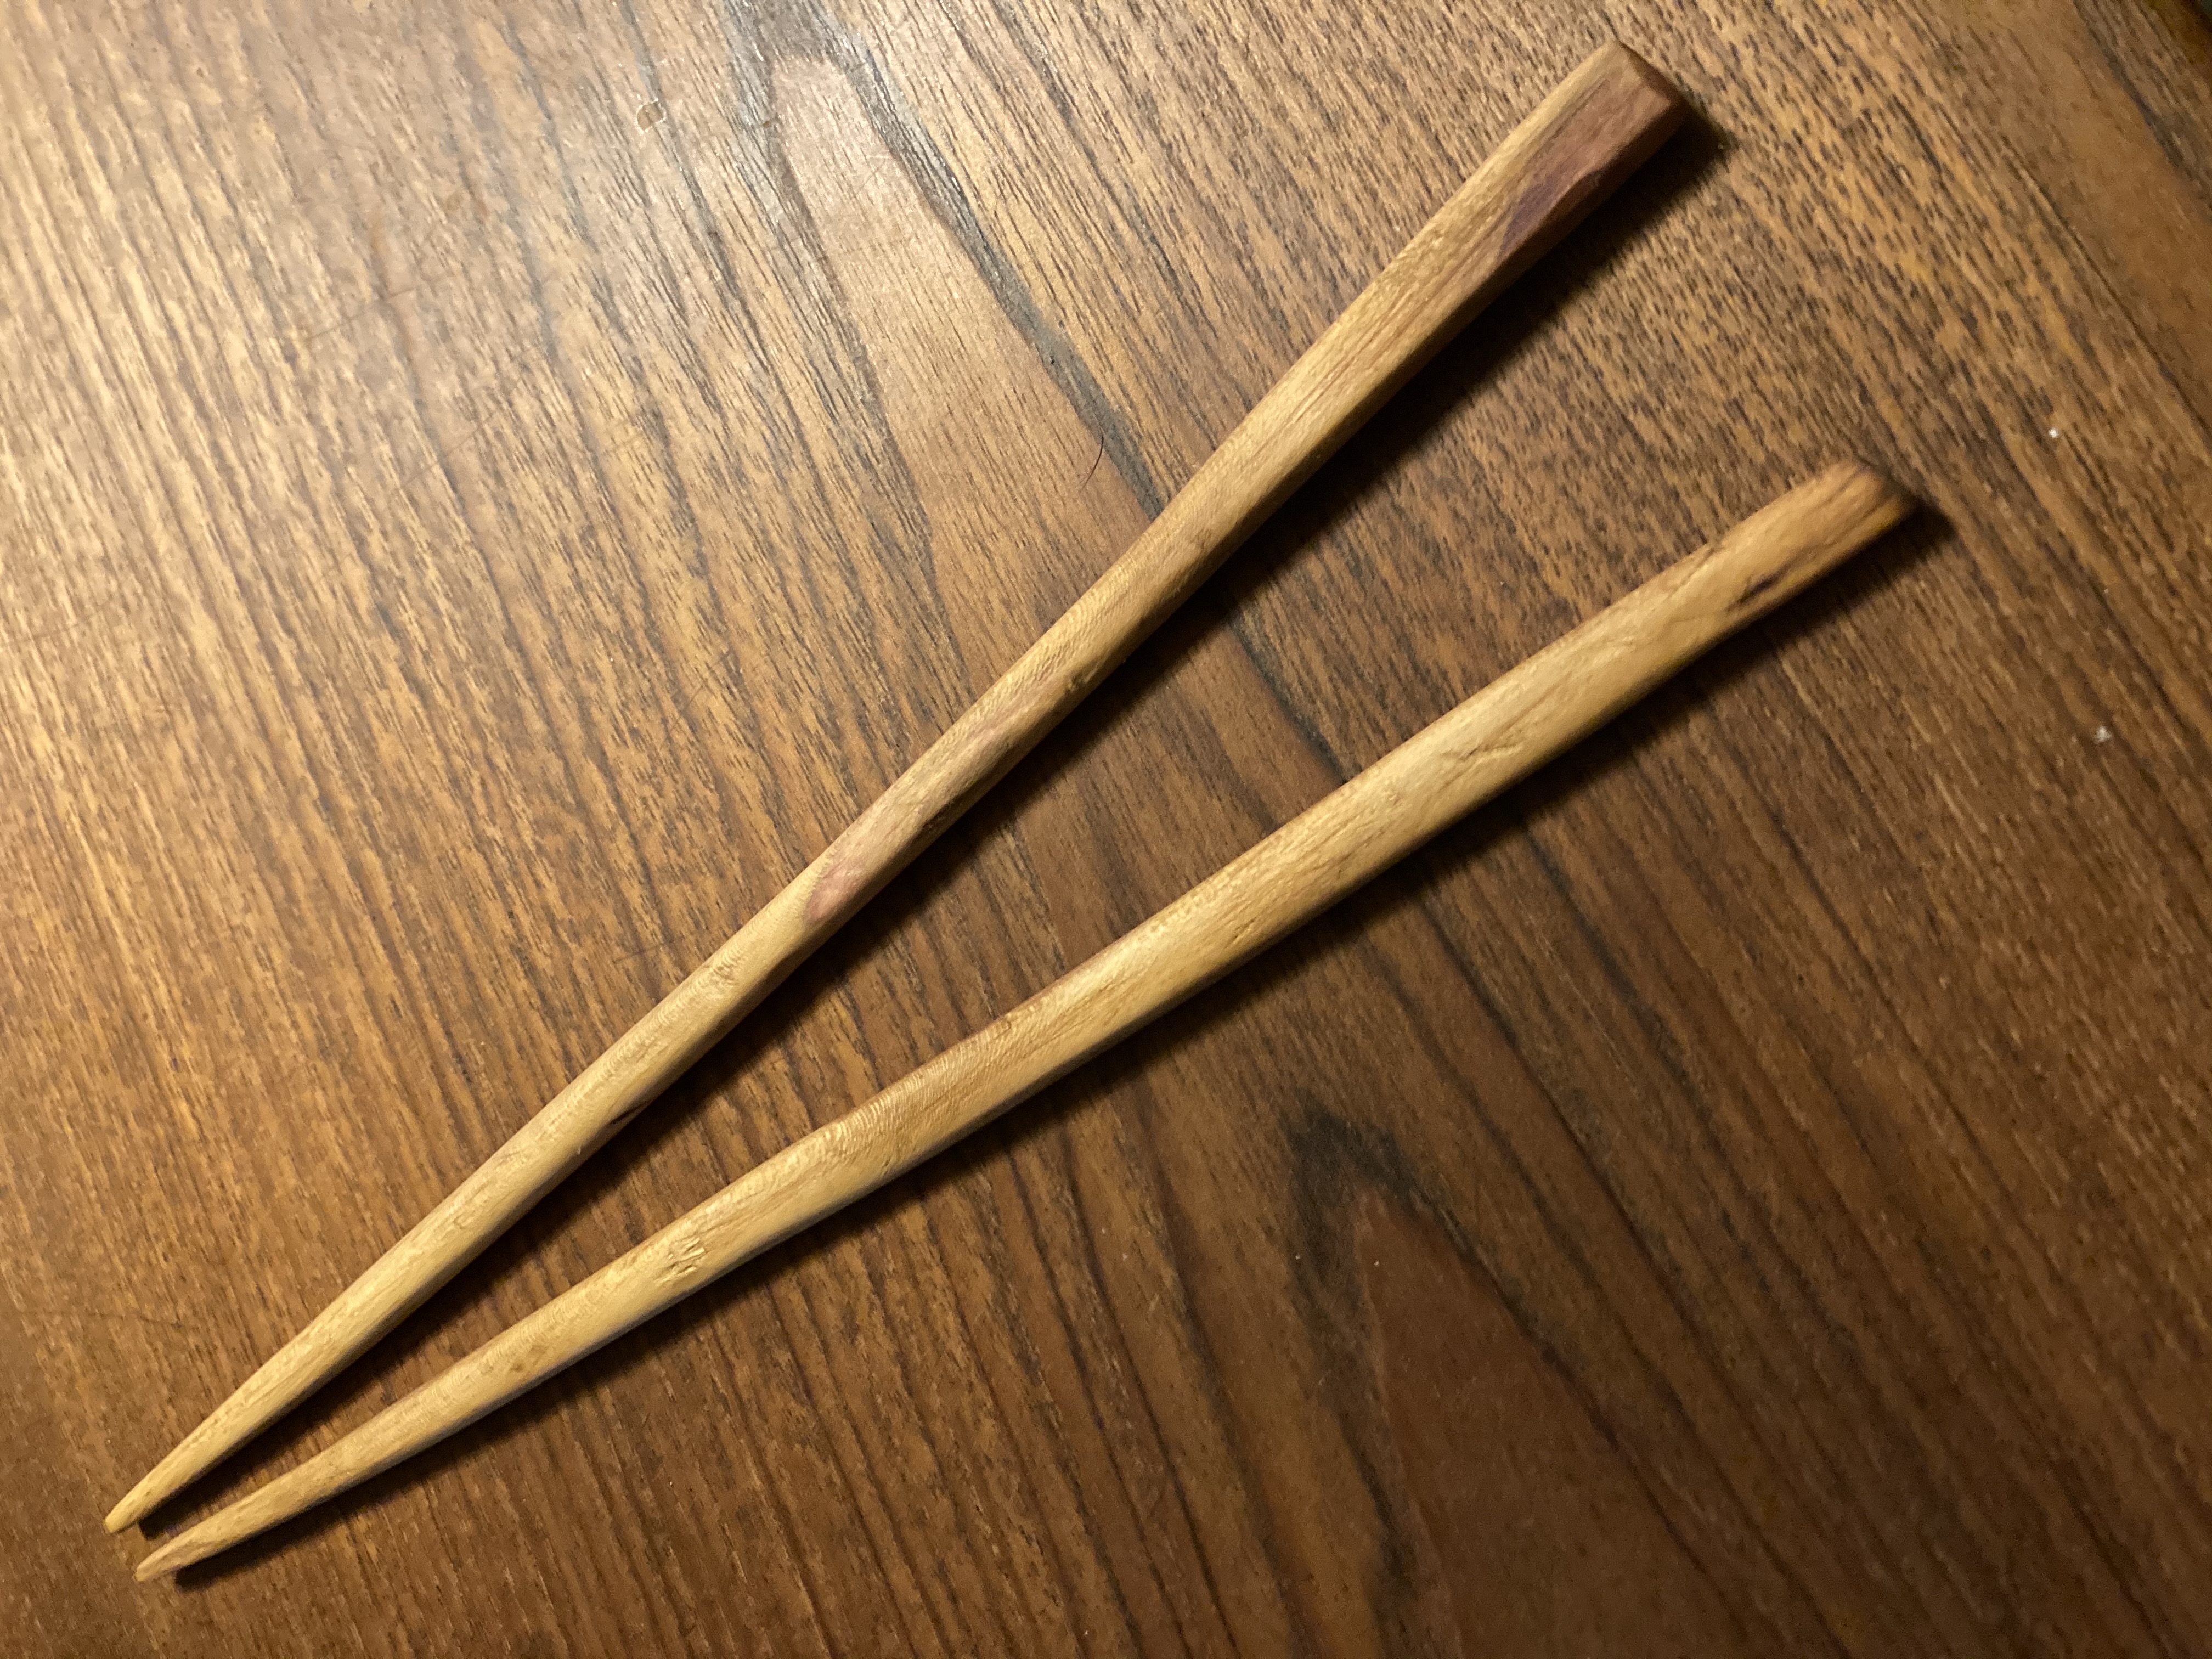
1618	53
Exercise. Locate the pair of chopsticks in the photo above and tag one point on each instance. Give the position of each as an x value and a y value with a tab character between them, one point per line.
1588	134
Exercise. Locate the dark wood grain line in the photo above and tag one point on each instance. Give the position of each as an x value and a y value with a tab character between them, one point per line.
1413	1195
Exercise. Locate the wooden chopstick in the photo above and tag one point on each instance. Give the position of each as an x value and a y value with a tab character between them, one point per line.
1495	738
1594	129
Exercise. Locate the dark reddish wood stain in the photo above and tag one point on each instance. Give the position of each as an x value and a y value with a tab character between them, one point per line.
1748	1191
1558	196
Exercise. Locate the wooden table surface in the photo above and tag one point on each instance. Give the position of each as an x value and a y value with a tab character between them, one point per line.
490	491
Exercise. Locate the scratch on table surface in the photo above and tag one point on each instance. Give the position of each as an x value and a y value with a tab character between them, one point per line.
383	297
443	454
99	1316
435	257
97	613
665	942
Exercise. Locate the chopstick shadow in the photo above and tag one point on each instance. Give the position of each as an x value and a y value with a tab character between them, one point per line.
1510	328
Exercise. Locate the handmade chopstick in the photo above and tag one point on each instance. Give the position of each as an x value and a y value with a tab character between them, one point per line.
1495	738
1581	140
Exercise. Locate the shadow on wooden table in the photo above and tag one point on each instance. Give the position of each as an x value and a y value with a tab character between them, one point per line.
1510	328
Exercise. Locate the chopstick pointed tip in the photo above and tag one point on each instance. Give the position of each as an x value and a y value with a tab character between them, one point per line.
165	1561
195	1543
135	1504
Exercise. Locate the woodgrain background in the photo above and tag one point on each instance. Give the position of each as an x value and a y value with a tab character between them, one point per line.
489	491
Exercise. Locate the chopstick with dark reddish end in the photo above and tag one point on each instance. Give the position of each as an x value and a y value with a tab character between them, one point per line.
1581	140
1495	738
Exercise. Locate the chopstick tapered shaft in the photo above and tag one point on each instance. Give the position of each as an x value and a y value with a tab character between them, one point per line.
1497	737
1586	136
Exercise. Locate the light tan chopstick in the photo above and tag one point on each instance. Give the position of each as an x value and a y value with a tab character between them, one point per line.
1495	737
1583	140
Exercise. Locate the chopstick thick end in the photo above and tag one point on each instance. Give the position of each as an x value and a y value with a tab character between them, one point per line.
1643	100
1595	129
1816	526
1876	502
1617	58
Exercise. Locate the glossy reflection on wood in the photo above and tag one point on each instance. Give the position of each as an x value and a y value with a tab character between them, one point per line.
488	493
